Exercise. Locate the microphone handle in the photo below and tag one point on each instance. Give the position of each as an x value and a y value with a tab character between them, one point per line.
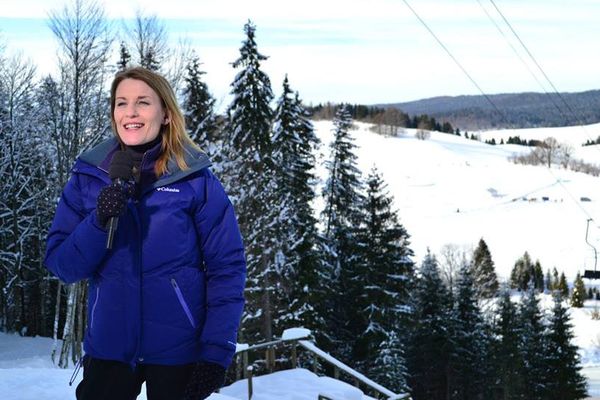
112	227
112	223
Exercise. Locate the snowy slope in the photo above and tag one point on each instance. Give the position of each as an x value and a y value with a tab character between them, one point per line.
450	190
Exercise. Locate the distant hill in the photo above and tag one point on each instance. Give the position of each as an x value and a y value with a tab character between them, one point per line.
517	110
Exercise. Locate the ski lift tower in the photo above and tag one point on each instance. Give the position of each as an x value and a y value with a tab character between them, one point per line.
588	273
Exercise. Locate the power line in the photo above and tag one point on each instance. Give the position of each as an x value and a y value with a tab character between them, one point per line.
521	59
493	104
577	118
455	60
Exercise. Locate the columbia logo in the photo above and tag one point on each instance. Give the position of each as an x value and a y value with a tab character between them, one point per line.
167	189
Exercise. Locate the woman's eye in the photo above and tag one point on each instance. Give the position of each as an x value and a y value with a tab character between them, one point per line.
120	104
144	103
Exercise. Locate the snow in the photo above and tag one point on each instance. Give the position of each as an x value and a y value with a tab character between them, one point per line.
27	373
295	333
298	384
326	356
452	190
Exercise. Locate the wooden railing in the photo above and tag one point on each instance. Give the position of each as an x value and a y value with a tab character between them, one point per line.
339	367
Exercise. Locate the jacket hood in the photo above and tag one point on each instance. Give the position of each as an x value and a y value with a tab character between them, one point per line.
101	155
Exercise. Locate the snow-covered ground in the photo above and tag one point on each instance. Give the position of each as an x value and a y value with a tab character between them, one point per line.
27	373
451	190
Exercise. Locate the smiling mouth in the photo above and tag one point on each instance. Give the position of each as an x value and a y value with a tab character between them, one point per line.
133	126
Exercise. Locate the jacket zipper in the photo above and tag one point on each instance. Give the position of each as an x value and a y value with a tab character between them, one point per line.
94	306
182	302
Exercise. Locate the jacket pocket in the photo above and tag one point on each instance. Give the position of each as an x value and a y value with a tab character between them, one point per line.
182	302
94	307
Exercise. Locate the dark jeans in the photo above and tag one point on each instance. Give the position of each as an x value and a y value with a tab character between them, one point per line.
113	380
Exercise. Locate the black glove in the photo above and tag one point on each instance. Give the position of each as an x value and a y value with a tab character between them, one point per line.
111	202
206	378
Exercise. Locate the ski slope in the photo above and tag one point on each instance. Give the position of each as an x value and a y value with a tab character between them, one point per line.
449	190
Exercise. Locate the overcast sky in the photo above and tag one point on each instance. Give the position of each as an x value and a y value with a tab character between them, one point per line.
360	51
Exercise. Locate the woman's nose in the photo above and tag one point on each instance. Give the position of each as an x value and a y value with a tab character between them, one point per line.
131	110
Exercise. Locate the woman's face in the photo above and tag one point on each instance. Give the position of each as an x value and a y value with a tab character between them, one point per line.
138	112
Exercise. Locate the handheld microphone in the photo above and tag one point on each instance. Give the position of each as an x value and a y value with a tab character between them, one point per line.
120	171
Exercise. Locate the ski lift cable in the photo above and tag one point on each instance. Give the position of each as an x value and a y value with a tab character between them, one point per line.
570	195
577	118
493	21
455	60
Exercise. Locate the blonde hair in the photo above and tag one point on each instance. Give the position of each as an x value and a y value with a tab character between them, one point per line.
174	135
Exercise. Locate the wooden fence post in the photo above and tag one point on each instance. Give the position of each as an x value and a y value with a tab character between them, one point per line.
249	374
294	356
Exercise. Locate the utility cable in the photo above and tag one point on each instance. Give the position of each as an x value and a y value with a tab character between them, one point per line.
577	118
559	181
522	60
455	60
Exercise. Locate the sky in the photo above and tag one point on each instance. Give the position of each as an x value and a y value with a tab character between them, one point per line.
357	51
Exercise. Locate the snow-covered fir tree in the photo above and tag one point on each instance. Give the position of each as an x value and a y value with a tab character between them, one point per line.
526	272
341	216
430	344
579	294
506	356
471	342
563	376
250	178
484	274
381	278
124	57
198	103
294	144
389	367
533	348
249	114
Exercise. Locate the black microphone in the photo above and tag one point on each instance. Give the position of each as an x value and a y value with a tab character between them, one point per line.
120	172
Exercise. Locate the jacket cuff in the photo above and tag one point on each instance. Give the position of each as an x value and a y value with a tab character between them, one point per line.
216	354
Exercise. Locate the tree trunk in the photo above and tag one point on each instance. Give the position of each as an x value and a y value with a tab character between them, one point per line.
56	320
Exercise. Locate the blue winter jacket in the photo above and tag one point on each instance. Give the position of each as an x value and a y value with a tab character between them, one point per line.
171	289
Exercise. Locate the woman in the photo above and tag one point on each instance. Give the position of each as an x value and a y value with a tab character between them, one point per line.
165	301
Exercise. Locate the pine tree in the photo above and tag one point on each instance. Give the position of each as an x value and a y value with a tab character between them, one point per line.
538	276
507	360
249	114
521	272
124	57
249	176
579	294
533	349
562	286
469	353
380	280
548	281
555	279
563	374
429	344
200	118
525	272
484	275
294	142
390	364
341	216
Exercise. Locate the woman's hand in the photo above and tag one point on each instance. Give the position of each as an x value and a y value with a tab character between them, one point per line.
111	202
206	378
